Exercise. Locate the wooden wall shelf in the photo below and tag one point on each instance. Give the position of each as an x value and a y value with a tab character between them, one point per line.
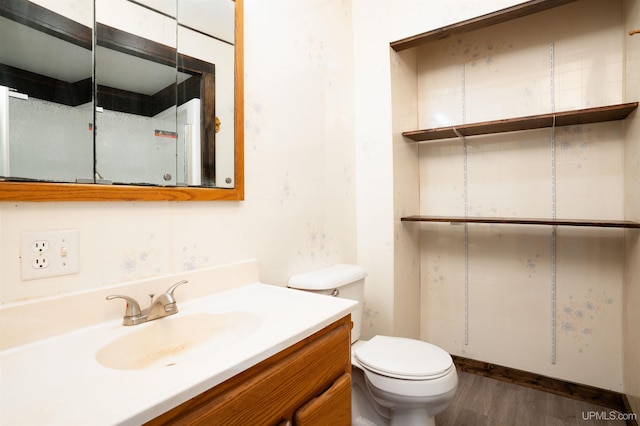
525	221
513	12
565	118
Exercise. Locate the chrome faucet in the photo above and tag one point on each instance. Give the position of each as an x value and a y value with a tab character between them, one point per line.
164	305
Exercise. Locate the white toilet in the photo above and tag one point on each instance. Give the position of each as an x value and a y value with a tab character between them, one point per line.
395	381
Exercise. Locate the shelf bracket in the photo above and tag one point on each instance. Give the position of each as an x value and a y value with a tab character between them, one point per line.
466	204
554	229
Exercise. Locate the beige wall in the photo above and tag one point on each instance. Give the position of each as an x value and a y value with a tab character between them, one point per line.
631	290
406	181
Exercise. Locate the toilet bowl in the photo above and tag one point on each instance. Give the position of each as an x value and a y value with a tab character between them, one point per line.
395	381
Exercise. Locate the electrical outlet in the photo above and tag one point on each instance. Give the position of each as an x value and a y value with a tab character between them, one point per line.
40	246
49	253
40	262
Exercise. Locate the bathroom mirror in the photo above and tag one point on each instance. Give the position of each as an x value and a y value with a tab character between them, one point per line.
191	140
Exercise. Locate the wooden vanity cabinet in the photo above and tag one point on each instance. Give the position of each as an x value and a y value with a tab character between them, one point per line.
306	384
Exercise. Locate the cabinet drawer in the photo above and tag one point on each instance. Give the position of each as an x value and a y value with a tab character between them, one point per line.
333	407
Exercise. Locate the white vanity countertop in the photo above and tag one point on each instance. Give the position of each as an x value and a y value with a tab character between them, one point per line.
58	381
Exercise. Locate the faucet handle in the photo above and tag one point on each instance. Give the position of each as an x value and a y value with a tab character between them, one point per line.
133	309
168	302
169	292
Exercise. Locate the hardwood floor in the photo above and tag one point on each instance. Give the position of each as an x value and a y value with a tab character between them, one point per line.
486	401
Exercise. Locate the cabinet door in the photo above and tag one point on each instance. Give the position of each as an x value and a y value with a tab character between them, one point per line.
333	407
270	392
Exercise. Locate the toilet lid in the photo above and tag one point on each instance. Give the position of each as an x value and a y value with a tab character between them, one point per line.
404	358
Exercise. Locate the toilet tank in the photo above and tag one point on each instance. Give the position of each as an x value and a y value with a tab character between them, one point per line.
345	281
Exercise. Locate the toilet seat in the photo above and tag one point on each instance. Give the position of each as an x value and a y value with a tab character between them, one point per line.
402	358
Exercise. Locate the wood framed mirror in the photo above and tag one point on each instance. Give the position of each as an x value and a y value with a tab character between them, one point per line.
50	191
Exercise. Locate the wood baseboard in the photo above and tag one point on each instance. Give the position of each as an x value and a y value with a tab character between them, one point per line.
603	397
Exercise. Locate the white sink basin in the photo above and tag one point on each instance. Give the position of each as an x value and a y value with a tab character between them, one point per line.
168	341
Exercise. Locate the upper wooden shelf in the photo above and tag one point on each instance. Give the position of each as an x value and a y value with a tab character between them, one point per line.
565	118
513	12
525	221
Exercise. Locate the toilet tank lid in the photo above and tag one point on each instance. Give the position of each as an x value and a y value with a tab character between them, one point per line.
328	278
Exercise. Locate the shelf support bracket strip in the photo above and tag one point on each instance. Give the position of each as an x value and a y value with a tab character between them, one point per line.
554	229
466	206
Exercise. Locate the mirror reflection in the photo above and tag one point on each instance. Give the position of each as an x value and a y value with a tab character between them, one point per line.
136	132
149	115
45	94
